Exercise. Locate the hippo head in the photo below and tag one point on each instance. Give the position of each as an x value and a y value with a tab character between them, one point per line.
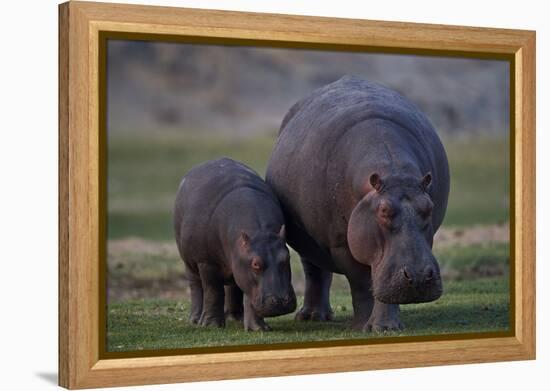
391	230
262	271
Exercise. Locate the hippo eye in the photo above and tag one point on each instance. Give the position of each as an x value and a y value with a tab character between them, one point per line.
425	213
385	210
426	209
256	264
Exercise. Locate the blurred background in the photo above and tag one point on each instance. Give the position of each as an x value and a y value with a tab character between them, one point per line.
155	87
171	106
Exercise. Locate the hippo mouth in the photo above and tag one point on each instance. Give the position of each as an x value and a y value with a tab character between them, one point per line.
271	306
404	293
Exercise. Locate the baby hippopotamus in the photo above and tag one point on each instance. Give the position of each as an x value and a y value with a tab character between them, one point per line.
231	236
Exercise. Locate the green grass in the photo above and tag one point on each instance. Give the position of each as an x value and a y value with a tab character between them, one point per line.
149	302
144	173
467	306
480	181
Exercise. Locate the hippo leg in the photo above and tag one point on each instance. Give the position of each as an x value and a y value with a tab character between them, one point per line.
233	303
252	322
384	317
362	300
213	297
359	278
196	298
317	295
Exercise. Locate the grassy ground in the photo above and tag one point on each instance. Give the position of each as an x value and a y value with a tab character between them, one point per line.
148	298
149	301
157	324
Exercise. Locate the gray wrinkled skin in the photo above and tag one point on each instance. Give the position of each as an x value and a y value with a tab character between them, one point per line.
231	236
363	180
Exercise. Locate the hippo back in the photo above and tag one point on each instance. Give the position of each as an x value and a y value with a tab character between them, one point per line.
310	158
200	193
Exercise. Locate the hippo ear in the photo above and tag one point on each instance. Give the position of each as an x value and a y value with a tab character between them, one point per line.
426	181
375	181
282	232
244	241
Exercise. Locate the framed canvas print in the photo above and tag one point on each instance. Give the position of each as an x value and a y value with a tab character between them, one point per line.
247	195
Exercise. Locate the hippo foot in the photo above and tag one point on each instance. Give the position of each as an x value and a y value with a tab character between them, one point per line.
211	320
315	314
257	327
382	325
194	318
234	316
384	317
255	323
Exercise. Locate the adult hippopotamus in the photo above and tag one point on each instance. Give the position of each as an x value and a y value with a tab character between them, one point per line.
363	180
230	232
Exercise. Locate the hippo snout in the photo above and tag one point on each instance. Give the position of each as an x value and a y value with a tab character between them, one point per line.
275	305
418	278
411	285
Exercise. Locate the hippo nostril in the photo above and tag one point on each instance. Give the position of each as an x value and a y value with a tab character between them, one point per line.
407	275
269	301
429	274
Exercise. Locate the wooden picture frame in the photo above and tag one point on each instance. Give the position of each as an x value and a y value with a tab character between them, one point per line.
81	25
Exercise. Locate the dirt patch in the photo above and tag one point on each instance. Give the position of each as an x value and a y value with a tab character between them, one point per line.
445	237
141	246
479	234
175	288
478	271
